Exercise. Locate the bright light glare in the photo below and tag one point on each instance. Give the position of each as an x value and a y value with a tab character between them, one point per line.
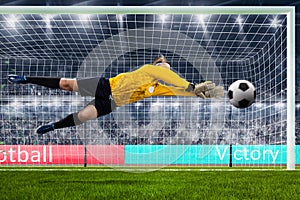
175	104
120	17
279	105
84	17
275	22
47	20
258	104
202	18
239	20
138	104
12	20
163	18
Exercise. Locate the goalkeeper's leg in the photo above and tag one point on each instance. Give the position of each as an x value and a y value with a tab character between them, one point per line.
50	82
96	108
74	119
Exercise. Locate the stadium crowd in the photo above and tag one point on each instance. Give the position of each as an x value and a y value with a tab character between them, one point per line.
20	131
18	123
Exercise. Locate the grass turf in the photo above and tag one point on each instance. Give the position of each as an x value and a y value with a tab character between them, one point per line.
152	185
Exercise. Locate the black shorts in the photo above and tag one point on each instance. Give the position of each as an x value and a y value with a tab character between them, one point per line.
99	88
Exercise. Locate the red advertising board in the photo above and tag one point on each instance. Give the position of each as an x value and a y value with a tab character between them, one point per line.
61	154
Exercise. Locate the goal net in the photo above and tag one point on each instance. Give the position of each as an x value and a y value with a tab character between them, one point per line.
201	43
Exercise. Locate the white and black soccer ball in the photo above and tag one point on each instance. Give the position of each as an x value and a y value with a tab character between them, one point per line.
241	94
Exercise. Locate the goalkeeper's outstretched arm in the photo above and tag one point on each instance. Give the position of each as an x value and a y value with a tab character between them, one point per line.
203	90
207	89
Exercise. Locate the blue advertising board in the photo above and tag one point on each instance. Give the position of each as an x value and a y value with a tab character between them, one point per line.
207	154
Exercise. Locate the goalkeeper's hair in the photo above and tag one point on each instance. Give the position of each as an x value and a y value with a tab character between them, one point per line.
160	59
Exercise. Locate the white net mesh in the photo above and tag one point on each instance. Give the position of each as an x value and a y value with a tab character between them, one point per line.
157	131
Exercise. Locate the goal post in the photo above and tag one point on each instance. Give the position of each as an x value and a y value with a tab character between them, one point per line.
222	44
291	90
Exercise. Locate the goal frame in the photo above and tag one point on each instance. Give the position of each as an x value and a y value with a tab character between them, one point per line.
289	11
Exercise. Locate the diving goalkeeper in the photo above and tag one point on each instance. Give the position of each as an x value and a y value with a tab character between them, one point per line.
122	89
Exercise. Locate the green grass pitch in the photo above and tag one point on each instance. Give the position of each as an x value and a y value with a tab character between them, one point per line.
194	184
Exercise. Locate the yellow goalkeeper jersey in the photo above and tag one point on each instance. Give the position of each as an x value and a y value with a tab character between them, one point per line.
144	82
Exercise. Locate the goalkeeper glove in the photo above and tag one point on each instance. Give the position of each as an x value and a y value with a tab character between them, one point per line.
208	89
216	93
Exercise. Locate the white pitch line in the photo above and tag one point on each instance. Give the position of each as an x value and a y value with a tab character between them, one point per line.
142	170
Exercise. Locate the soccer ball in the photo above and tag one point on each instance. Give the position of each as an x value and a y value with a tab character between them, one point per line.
241	94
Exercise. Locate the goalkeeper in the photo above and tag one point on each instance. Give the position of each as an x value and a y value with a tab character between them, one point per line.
122	89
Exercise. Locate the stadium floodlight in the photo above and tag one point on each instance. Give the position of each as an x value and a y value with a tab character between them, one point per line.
201	43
